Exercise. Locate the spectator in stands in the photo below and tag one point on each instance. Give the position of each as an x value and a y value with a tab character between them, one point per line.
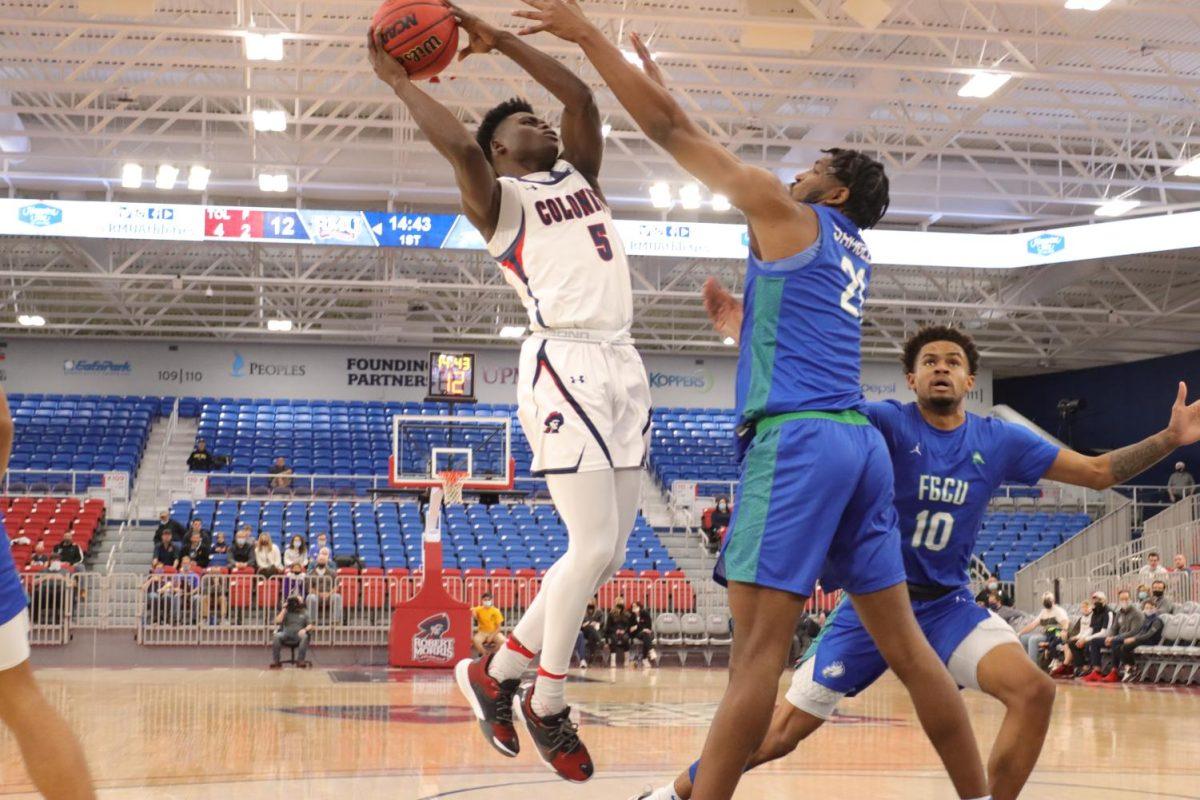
196	551
293	581
214	587
1181	483
591	633
488	619
294	629
165	523
1150	634
296	553
267	559
997	607
993	585
201	460
1078	628
1126	622
1181	564
1158	594
283	474
642	630
162	597
323	598
715	522
197	527
39	557
68	552
242	552
617	633
322	543
1051	622
1090	641
219	552
166	552
1153	567
187	582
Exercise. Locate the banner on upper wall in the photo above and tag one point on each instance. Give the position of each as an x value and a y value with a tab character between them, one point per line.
352	373
705	240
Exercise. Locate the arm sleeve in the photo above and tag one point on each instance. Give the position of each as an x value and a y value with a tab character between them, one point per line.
884	415
1028	456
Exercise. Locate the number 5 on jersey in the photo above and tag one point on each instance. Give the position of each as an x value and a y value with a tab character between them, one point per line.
600	239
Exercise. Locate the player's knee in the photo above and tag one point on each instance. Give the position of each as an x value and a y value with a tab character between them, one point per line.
1034	695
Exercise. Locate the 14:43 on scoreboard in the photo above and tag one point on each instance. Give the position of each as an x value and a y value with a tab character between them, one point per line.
451	376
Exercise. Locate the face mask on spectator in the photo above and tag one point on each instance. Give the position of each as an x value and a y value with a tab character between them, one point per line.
1048	603
1158	592
1142	595
993	585
487	603
1150	611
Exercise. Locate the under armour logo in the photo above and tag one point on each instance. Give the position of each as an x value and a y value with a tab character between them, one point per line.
916	449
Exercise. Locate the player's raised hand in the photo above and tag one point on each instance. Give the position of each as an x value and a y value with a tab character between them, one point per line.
1184	427
563	18
723	309
648	66
483	36
388	69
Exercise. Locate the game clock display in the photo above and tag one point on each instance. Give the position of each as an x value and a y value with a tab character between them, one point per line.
451	376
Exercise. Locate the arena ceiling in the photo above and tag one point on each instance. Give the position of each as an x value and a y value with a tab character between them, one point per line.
1101	105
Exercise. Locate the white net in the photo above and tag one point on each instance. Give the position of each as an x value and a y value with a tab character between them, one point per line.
452	486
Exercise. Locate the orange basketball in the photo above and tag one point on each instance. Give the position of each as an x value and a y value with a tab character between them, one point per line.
420	34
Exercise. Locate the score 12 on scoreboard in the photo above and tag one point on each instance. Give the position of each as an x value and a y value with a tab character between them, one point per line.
451	376
253	224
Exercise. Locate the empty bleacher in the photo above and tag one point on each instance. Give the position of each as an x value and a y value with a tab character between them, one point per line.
57	435
1009	540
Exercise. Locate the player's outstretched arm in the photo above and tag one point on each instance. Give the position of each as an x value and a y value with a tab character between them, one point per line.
583	142
7	431
472	171
754	190
1118	466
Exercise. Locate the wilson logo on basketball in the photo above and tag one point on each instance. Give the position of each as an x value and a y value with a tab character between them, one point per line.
431	642
424	49
399	27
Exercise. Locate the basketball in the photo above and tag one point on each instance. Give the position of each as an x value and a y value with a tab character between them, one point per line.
420	34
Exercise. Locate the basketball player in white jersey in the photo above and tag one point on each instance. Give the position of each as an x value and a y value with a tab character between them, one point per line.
583	398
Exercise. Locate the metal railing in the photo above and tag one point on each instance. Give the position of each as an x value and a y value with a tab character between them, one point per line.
48	481
1078	557
116	549
160	463
1181	513
52	598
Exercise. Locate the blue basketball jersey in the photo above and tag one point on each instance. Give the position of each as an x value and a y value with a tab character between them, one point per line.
802	326
944	480
12	593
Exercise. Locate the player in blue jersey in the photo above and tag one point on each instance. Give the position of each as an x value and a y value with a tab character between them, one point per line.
815	493
948	463
53	757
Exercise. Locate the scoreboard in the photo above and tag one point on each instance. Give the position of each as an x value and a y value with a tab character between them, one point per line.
451	376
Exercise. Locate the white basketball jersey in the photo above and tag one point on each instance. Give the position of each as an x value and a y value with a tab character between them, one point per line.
558	247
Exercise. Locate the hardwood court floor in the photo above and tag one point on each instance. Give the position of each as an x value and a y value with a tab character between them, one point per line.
187	734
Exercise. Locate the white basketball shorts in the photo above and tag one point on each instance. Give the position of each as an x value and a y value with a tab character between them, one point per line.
14	641
584	402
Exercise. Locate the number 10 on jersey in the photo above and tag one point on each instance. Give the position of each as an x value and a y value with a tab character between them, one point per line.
933	532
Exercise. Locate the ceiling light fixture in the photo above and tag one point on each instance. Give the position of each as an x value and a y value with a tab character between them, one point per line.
1117	207
984	84
273	182
605	130
166	176
512	331
729	341
279	325
198	178
131	176
32	320
660	195
270	120
264	47
689	196
721	203
1086	5
1190	169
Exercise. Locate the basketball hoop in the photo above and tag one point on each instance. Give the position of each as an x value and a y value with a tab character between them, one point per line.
452	486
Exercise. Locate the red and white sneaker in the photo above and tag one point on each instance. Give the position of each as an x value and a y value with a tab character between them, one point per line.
492	702
557	739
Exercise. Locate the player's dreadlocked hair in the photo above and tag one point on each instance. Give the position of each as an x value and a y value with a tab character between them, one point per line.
867	182
939	333
493	118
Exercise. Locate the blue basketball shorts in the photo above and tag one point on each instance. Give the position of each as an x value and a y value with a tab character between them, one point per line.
814	502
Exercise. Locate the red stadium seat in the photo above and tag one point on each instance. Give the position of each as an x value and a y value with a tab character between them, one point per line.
268	593
374	588
348	587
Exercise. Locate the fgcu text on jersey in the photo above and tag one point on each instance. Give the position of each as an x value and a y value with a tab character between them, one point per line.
432	641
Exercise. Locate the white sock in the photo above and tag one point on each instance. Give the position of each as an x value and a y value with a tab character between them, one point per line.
987	797
665	793
511	660
549	693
